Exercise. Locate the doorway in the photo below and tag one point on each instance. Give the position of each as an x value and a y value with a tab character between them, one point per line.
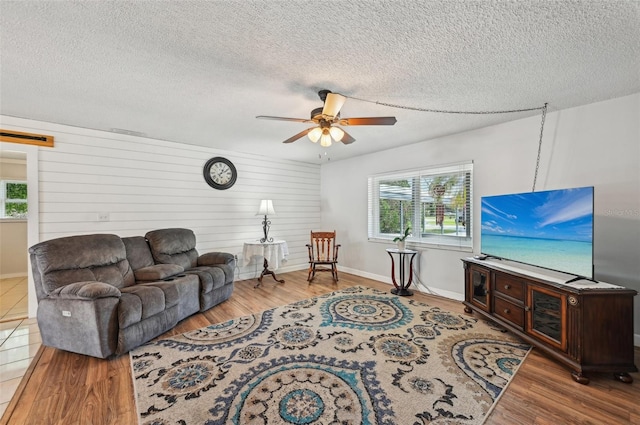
13	236
16	275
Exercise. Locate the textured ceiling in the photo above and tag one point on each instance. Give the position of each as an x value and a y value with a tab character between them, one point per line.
200	71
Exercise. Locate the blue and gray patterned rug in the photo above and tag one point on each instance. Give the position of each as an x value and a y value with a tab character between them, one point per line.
355	356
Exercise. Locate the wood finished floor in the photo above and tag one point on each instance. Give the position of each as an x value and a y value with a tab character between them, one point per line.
71	389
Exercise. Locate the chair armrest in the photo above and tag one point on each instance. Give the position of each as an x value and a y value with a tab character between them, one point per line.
90	290
310	249
217	258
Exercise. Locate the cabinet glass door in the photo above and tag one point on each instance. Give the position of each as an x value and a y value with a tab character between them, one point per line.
480	288
547	316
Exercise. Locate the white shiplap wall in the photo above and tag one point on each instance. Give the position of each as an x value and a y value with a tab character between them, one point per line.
145	184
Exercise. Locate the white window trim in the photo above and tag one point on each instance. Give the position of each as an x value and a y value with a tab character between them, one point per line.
444	242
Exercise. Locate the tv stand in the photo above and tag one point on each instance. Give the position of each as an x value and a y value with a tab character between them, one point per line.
588	328
577	278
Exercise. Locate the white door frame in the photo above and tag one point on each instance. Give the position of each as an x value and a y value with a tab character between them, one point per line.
33	216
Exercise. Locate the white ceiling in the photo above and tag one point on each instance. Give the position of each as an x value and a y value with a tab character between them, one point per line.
200	71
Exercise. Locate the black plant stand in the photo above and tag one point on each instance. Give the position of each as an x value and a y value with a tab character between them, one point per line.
402	288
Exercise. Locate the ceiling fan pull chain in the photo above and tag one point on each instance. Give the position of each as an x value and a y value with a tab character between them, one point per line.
445	111
535	176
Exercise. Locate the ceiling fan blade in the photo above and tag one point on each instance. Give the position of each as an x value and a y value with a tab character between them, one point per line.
332	104
369	121
267	117
299	135
347	138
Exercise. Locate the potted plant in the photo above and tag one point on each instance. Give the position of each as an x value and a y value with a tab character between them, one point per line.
400	240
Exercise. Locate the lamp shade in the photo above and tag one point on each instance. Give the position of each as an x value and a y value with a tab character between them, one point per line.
336	133
266	207
314	135
325	139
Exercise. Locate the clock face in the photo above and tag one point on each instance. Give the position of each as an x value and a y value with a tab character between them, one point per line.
220	173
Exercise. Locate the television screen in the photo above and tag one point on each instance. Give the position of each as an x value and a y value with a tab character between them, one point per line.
551	229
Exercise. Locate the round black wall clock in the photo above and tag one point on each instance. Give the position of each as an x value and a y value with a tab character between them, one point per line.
220	173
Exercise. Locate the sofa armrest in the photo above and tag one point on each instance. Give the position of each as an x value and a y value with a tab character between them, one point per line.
217	258
90	290
81	317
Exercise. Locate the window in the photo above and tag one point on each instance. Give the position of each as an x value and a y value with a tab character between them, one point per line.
434	202
13	194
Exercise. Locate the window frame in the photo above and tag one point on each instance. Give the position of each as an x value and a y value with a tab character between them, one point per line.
4	200
456	242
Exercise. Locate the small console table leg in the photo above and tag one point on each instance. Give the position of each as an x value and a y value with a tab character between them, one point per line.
265	272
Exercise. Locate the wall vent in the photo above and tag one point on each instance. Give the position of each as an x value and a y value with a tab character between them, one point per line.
26	138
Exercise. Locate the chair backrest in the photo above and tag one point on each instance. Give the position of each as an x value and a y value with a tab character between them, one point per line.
323	247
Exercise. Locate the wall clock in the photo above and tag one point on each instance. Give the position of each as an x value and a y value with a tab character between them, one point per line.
220	173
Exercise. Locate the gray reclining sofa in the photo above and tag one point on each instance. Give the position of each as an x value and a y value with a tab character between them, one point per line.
102	295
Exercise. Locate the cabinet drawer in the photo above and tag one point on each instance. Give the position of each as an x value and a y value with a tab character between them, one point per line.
509	311
509	286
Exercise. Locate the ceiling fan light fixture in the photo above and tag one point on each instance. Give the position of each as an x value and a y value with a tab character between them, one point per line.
314	135
325	139
327	116
336	133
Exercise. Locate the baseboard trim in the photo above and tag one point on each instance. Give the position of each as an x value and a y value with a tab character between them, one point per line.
11	275
379	278
422	288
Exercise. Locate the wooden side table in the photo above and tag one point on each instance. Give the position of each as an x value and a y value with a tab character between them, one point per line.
404	256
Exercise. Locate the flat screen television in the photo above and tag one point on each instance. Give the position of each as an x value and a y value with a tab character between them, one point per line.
552	229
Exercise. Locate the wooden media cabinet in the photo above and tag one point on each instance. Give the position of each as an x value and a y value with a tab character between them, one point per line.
586	325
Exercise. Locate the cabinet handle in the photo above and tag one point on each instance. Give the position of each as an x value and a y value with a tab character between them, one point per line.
507	286
506	311
527	308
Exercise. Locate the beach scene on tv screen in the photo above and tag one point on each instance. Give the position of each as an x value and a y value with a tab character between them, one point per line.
551	229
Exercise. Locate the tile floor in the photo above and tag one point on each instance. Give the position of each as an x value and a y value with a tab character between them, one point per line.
13	298
19	337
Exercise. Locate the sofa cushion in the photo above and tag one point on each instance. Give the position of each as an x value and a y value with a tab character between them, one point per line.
157	272
99	257
139	302
173	246
210	277
138	252
223	260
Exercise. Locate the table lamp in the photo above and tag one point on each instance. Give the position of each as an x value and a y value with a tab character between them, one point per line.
266	208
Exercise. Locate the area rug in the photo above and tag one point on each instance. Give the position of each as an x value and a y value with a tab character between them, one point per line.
355	356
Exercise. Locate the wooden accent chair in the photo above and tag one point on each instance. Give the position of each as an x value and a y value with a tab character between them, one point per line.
323	252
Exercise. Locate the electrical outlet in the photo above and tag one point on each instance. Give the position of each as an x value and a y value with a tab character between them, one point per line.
66	313
103	216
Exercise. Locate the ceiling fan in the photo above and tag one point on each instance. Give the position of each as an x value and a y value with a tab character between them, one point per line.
327	120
